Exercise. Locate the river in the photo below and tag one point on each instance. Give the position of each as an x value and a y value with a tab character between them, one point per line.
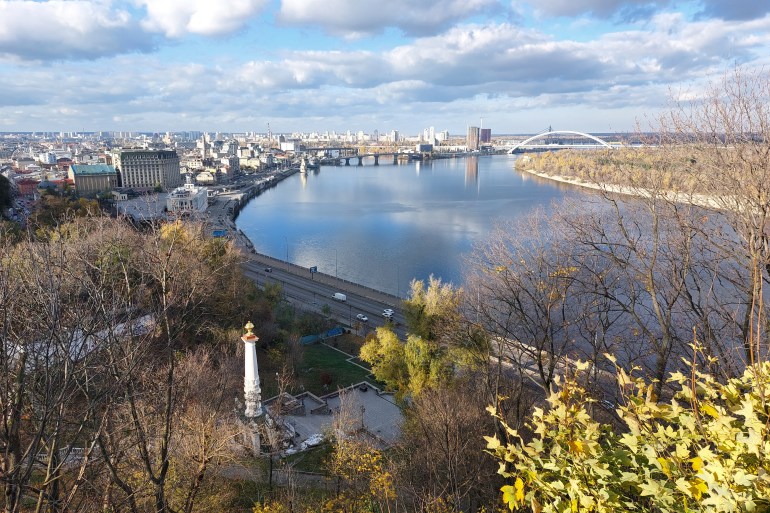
381	226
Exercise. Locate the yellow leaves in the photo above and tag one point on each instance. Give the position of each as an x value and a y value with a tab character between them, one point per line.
563	272
695	488
519	485
576	446
709	410
492	442
664	467
696	463
513	496
509	497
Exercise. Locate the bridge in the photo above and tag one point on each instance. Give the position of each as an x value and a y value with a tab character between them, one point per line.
345	154
526	143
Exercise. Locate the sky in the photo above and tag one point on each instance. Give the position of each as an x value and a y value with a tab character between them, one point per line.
317	65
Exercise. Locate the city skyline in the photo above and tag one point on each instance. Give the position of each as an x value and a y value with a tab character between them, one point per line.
317	65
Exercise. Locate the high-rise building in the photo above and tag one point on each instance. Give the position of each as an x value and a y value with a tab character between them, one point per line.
472	141
485	135
146	169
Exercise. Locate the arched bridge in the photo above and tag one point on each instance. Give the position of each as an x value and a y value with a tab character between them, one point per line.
560	132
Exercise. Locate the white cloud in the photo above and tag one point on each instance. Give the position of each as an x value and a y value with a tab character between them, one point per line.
355	18
176	18
489	69
64	29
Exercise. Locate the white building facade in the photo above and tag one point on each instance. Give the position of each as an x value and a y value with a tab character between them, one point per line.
187	199
146	169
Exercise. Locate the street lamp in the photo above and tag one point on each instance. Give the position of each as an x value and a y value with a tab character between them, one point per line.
335	262
287	251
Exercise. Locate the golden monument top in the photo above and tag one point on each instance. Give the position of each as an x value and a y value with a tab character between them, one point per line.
249	326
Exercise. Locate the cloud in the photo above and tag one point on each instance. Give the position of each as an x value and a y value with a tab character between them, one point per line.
177	18
356	18
624	9
735	9
67	29
486	69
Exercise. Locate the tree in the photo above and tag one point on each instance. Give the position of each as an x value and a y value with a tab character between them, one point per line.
705	450
529	296
439	458
727	133
365	482
385	353
6	196
432	312
96	321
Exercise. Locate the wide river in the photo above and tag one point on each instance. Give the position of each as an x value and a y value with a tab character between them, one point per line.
382	226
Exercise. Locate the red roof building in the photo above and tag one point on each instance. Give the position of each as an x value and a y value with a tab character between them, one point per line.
27	187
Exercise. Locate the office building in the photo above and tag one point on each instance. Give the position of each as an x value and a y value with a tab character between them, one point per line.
472	141
146	169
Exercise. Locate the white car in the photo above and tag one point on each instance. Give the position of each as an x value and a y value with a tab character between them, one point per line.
362	317
387	313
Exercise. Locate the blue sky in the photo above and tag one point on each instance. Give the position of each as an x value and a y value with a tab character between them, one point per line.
302	65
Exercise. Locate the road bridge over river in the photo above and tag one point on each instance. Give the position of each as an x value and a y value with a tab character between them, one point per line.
554	141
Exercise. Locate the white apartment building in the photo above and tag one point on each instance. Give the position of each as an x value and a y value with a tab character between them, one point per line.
146	169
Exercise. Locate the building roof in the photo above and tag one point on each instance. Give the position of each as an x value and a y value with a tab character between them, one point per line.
93	169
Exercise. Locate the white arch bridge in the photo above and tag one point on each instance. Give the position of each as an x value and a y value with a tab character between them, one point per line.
600	142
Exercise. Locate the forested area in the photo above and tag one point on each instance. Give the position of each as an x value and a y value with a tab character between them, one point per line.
117	366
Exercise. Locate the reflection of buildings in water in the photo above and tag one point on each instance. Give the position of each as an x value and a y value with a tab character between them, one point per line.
303	179
471	170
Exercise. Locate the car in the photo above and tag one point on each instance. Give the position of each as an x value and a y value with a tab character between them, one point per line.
268	269
387	313
362	317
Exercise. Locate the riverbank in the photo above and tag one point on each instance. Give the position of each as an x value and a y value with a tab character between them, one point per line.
700	200
224	208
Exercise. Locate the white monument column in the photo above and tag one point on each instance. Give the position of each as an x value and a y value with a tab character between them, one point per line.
252	393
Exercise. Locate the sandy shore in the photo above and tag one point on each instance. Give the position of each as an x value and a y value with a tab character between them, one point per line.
700	200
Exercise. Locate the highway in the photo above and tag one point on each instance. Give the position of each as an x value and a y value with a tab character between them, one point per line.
312	291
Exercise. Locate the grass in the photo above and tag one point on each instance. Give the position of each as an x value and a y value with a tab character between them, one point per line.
312	460
320	361
348	343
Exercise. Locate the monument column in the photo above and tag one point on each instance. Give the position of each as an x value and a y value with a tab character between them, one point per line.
252	393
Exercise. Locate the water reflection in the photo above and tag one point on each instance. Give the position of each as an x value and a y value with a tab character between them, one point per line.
471	170
389	223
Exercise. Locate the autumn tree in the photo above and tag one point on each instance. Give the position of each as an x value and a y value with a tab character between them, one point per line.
365	481
439	458
705	450
96	320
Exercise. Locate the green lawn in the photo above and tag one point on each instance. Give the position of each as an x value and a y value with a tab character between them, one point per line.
319	361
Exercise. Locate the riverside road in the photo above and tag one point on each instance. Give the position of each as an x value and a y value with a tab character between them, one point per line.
312	291
305	290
